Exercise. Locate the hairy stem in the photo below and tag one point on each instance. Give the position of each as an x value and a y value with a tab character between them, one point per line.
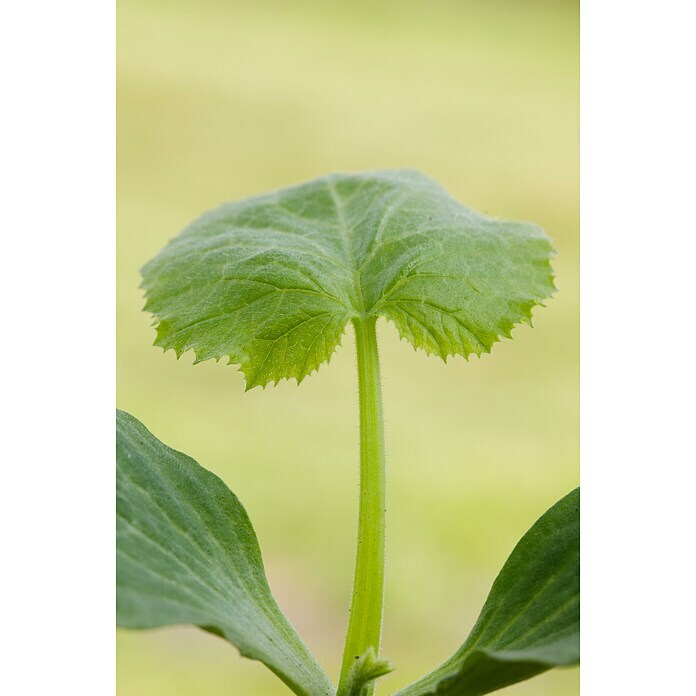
365	621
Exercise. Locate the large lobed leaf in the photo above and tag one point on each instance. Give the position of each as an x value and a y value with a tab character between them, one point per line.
187	554
531	619
272	281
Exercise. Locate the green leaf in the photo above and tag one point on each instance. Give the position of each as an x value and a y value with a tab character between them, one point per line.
531	619
187	554
272	281
366	668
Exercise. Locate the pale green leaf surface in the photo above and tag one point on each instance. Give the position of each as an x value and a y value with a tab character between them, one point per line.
531	619
187	554
365	670
272	281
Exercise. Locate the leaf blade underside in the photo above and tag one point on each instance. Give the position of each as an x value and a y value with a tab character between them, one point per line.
187	554
271	282
530	621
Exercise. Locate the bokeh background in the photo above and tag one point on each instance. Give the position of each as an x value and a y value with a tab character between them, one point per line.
221	100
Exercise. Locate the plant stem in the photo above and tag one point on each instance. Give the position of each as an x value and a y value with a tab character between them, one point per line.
365	621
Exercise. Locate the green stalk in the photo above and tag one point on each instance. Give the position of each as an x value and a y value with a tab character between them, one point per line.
365	621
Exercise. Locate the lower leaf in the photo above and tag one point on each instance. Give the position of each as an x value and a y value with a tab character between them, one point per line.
531	619
187	554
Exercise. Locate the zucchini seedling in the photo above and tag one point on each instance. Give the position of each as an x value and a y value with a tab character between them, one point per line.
271	283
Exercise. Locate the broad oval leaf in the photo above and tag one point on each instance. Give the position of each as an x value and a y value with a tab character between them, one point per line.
187	554
531	619
272	281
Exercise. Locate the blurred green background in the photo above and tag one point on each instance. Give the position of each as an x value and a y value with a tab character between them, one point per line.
221	100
